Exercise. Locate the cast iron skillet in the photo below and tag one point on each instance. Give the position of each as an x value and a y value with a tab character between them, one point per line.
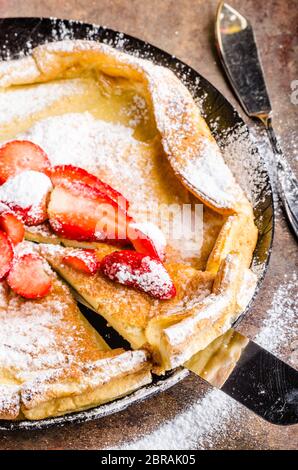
17	37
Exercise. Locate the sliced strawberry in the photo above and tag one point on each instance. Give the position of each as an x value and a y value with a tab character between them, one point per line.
139	271
13	226
33	216
26	194
65	175
83	260
80	212
6	255
148	239
28	277
19	155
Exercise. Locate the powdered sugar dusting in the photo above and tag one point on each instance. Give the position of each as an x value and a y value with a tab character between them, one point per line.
26	342
218	183
189	430
9	400
27	334
239	150
82	140
281	325
137	111
18	103
26	189
151	277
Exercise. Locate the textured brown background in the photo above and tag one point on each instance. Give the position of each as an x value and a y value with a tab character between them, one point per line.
185	29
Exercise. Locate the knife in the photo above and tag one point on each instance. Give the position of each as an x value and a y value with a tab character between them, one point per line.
237	48
243	370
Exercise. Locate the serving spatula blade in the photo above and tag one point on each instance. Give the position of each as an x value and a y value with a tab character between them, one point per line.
251	375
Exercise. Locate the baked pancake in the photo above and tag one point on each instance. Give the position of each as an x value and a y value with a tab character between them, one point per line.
173	330
134	125
53	362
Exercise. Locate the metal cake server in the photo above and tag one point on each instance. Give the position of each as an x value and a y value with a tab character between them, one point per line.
239	55
251	375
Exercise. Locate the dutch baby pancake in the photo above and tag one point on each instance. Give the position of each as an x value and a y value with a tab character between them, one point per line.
88	126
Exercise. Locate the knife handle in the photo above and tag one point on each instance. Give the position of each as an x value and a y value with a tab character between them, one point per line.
286	180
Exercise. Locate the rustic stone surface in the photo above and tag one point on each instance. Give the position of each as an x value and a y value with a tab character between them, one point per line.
185	28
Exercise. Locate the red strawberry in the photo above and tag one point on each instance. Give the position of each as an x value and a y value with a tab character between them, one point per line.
13	226
83	213
26	194
83	260
19	155
28	278
6	254
65	175
147	239
140	271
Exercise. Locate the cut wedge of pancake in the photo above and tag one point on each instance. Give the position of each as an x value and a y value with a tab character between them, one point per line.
53	362
173	330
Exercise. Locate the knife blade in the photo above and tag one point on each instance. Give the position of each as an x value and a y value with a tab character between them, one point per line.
238	52
246	372
251	375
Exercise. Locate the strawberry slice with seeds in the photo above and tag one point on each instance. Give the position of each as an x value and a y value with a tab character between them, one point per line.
83	213
65	175
85	261
19	155
28	277
13	226
140	271
6	255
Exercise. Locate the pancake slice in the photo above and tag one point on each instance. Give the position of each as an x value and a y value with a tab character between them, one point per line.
53	362
173	330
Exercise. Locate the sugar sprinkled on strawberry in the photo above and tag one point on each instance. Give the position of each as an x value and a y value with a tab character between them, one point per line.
19	155
83	260
28	277
139	271
26	194
11	224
